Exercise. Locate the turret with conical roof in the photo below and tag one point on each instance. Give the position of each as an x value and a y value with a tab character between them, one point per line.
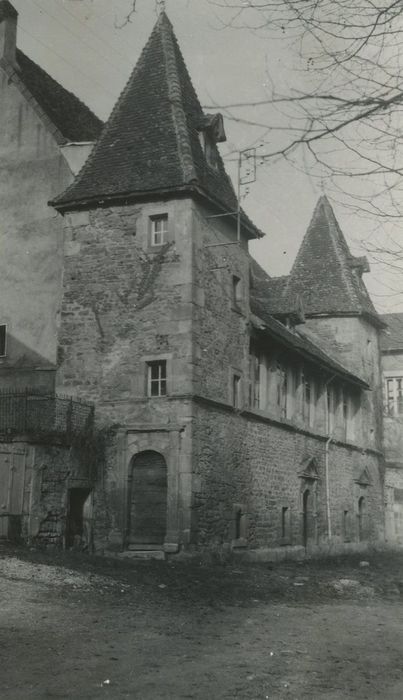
157	140
325	275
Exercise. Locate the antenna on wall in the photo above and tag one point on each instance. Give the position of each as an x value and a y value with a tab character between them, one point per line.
246	175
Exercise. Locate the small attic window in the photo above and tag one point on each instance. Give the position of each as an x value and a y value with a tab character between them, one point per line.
211	131
208	149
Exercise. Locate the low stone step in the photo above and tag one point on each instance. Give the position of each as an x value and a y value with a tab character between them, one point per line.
139	547
142	554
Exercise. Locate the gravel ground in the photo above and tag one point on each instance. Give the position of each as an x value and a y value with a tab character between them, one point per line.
78	627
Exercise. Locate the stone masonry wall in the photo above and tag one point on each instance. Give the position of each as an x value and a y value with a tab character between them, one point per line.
126	303
243	460
35	479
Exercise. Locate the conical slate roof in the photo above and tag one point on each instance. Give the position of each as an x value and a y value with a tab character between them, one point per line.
151	144
325	276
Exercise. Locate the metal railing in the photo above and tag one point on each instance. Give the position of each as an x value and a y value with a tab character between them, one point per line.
30	412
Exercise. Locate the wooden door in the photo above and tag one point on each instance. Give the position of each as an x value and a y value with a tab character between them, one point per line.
12	480
306	525
148	507
361	519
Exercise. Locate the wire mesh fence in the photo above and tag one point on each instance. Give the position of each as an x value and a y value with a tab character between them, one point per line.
27	412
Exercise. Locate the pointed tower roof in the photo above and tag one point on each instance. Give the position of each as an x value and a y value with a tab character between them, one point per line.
152	143
325	275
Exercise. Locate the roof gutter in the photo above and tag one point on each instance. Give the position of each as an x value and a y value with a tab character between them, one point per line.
129	197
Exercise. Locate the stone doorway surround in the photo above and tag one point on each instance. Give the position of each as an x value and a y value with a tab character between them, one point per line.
170	442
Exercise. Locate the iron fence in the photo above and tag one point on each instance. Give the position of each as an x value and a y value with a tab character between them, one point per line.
28	412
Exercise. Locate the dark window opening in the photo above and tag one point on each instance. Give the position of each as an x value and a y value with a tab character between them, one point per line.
236	391
78	519
3	339
284	522
236	291
346	533
239	525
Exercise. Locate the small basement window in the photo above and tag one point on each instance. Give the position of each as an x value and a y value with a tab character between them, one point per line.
159	229
157	378
3	340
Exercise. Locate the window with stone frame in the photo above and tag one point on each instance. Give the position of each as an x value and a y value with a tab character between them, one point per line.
237	292
394	395
236	390
285	531
240	525
158	229
157	378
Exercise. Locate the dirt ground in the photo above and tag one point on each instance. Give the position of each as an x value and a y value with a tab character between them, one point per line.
86	628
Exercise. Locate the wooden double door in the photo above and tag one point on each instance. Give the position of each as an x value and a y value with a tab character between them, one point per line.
148	499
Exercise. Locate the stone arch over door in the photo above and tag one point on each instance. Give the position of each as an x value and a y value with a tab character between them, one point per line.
148	499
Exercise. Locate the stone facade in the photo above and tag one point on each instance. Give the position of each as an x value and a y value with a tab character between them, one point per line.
216	426
392	369
237	476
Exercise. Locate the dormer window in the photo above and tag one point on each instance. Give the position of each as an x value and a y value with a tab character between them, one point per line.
211	131
208	149
159	229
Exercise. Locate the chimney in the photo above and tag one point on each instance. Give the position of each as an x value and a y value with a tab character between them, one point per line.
8	32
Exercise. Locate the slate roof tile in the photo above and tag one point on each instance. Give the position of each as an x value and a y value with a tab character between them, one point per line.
151	142
303	346
74	120
392	336
325	275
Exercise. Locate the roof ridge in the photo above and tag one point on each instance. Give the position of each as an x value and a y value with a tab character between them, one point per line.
334	225
109	122
176	98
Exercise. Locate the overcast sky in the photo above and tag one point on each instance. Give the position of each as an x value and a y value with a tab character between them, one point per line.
79	43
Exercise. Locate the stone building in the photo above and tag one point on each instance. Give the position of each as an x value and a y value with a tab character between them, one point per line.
232	410
45	134
392	370
243	412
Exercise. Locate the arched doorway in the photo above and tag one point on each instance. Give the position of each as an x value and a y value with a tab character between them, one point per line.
361	518
148	499
306	508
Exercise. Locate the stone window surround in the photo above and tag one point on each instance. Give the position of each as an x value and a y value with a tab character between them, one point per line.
236	382
152	211
158	357
162	218
240	525
392	406
285	525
